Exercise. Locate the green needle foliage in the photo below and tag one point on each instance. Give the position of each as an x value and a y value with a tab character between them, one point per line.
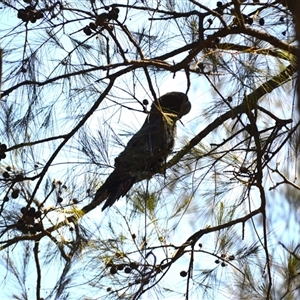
219	218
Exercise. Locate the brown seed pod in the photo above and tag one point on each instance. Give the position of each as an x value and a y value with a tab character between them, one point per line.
102	19
114	13
24	210
37	214
93	26
20	221
37	227
29	8
39	15
3	147
31	212
261	21
87	30
32	230
250	21
183	273
113	270
5	175
134	265
21	13
15	194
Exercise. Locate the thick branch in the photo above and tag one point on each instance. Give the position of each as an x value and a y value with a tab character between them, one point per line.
197	235
250	101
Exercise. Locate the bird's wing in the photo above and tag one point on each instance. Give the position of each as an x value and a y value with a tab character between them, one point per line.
144	154
151	143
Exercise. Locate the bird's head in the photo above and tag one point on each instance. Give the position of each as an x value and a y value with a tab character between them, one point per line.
175	104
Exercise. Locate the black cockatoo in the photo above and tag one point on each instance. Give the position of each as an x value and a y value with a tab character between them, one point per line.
146	151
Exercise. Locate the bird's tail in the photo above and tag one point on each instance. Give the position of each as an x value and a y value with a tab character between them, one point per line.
114	188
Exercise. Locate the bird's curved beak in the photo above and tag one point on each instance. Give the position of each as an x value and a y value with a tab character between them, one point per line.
185	109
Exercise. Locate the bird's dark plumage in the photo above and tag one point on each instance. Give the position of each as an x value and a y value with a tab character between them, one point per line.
147	150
